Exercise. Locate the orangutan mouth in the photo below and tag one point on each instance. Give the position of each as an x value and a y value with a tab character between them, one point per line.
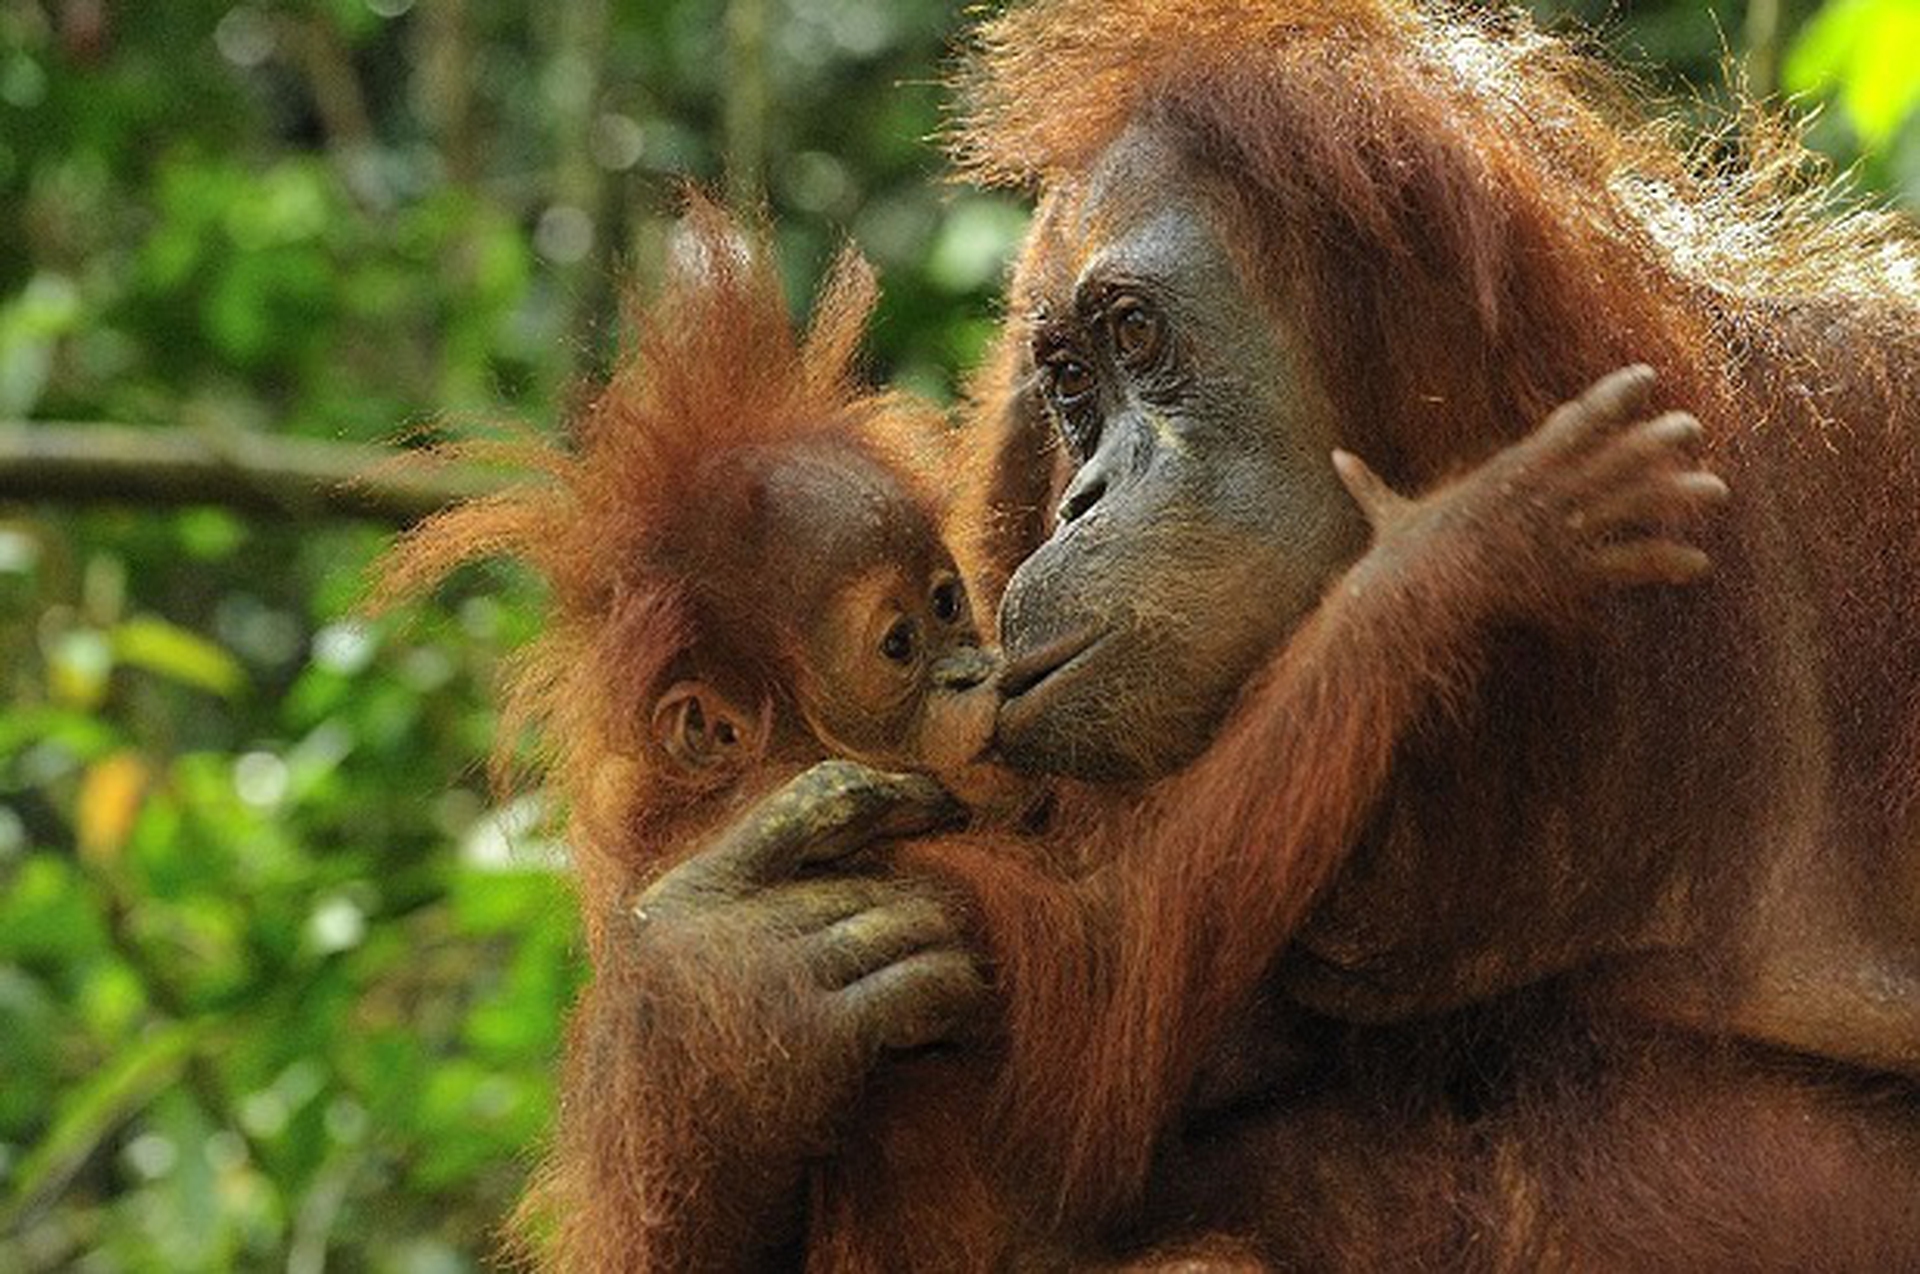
1028	671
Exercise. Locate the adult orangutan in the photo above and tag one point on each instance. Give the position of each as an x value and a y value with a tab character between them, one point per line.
1613	963
1624	965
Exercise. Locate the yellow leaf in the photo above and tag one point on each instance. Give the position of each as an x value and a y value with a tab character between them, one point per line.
110	797
1868	52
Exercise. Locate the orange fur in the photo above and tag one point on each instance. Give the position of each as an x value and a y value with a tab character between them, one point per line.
714	367
616	525
918	1181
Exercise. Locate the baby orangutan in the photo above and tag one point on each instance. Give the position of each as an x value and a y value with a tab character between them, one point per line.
748	578
747	571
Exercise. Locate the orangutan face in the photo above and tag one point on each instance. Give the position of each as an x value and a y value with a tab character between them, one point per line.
1203	518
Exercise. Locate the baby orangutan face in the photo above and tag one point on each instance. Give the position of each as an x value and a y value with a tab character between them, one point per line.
893	673
836	564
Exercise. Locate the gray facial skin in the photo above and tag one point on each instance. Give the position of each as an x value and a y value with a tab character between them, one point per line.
1204	518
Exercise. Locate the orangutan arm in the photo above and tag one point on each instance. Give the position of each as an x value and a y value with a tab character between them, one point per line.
1591	500
719	1045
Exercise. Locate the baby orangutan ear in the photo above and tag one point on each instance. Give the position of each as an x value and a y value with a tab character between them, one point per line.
699	728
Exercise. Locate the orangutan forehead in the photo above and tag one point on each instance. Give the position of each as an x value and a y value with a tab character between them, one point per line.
820	513
1141	215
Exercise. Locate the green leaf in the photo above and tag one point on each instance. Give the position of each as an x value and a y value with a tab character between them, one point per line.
975	241
209	534
81	736
1868	51
169	651
48	915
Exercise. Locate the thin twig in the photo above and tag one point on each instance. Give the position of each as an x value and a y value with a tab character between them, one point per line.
746	102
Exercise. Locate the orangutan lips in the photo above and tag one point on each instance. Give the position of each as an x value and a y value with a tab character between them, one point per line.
1023	674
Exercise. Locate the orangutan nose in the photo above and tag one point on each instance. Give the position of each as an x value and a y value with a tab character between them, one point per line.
964	669
1089	485
1124	451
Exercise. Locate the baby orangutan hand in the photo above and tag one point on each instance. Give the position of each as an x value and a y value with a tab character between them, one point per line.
1595	497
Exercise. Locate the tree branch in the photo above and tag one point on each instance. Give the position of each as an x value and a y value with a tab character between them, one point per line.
443	80
335	83
577	62
251	473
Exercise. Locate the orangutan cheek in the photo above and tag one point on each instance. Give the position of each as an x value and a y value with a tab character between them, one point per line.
955	727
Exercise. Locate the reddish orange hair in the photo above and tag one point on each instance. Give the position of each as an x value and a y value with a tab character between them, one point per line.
620	526
1442	179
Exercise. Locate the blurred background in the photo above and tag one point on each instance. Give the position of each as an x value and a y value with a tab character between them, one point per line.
281	983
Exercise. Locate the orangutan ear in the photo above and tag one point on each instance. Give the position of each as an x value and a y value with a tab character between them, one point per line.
700	728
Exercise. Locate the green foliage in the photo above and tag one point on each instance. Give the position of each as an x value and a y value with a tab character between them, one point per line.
1868	51
281	980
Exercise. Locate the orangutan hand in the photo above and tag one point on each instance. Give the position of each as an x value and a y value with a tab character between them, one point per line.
877	964
750	993
1596	497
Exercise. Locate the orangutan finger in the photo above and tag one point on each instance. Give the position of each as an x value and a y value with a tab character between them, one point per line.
1672	429
812	906
1608	403
1651	562
923	999
1666	444
1380	502
1673	498
866	942
827	812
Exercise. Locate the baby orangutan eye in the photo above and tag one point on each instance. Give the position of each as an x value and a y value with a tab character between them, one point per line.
949	599
901	642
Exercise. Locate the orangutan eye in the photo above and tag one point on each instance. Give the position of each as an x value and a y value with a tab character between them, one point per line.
1070	379
948	600
1136	331
900	642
